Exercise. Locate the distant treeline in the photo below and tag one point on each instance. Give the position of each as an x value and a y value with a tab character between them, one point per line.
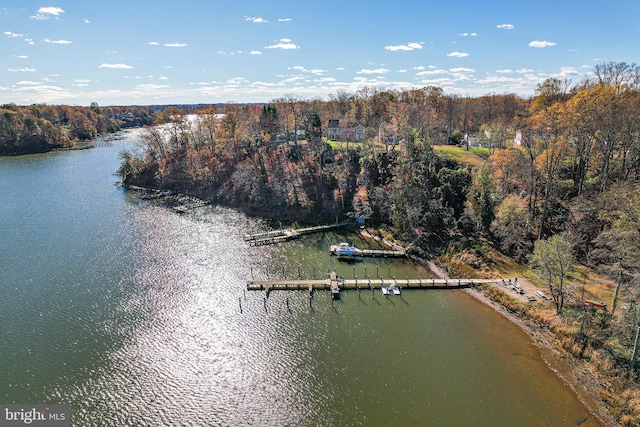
41	128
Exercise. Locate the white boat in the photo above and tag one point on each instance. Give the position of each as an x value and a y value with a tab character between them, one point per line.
385	290
394	288
346	250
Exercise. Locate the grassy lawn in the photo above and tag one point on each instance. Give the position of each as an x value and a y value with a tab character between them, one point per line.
476	156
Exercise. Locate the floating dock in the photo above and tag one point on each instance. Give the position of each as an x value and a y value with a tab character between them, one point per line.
277	236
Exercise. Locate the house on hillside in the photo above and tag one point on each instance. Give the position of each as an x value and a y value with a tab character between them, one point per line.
345	130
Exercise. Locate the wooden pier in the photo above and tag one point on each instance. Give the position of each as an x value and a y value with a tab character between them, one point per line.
336	284
277	236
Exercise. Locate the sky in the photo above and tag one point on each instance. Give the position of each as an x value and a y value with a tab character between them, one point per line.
137	52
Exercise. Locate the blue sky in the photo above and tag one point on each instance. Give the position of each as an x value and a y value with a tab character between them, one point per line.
207	51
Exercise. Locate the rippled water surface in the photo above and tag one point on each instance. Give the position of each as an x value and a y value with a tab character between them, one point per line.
136	315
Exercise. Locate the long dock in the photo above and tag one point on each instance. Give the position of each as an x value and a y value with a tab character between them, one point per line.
277	236
341	284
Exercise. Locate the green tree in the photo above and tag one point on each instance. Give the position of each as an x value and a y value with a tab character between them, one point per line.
481	200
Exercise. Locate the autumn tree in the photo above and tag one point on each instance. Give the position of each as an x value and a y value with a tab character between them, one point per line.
552	259
617	247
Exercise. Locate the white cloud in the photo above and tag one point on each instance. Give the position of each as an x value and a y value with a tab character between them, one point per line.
504	71
256	52
468	34
151	87
26	69
431	72
86	21
175	44
257	20
154	43
376	71
284	19
408	47
58	41
116	66
51	10
283	44
22	57
462	70
524	70
458	54
541	43
47	13
569	71
10	34
236	81
505	26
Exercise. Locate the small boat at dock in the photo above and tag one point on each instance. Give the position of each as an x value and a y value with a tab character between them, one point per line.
346	252
385	290
394	288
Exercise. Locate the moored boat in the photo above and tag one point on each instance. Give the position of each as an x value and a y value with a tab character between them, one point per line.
345	251
394	288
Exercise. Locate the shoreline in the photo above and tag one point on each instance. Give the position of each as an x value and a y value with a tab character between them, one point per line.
574	373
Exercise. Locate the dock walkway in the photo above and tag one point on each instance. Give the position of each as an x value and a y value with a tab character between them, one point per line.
335	283
277	236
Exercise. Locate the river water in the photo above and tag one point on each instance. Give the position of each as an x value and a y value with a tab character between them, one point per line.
135	315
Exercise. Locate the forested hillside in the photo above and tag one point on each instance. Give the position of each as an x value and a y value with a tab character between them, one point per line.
557	162
42	128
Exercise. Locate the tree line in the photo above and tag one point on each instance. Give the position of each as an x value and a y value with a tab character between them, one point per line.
41	128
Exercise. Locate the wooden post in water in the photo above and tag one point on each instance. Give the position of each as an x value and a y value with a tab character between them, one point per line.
240	301
389	270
